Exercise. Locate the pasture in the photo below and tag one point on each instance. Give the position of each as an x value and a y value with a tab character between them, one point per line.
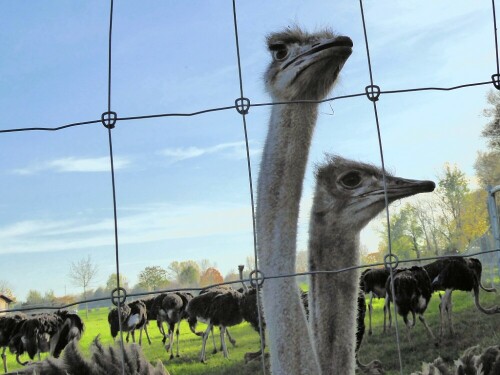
471	326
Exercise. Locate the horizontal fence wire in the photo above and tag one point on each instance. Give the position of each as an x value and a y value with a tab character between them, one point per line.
254	280
258	278
250	105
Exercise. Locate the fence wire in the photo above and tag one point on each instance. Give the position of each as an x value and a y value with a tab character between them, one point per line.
243	105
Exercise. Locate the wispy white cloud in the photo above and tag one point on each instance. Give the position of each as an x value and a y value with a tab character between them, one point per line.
233	150
140	225
73	164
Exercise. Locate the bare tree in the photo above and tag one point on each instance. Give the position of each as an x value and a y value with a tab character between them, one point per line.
205	264
5	288
81	274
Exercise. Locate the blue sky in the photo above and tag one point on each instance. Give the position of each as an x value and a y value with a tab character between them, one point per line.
182	186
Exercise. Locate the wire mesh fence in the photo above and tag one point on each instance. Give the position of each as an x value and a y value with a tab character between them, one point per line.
484	248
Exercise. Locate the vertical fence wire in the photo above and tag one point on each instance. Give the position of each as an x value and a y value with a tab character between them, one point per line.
391	271
496	36
249	168
113	188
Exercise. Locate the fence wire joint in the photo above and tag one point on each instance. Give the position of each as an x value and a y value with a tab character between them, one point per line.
242	105
496	80
118	294
256	278
393	263
372	92
108	119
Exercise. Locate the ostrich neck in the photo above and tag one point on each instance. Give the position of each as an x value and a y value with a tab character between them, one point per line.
280	185
333	296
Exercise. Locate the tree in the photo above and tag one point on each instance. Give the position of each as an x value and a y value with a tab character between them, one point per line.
487	167
232	276
49	297
487	164
190	275
111	283
153	278
186	273
414	230
491	130
475	220
428	218
81	274
6	289
401	244
370	258
452	190
205	264
174	269
34	297
65	300
211	276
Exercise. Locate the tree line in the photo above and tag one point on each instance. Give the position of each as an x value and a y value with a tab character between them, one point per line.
83	273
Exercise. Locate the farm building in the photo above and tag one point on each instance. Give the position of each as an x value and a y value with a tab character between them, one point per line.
4	302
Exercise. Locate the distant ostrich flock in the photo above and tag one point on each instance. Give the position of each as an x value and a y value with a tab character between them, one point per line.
39	333
315	333
223	307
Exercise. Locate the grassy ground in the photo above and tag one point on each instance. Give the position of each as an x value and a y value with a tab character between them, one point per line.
190	345
471	326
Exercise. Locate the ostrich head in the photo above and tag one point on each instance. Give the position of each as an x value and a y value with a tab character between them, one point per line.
352	193
304	66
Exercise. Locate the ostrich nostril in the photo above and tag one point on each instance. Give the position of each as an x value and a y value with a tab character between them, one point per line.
315	44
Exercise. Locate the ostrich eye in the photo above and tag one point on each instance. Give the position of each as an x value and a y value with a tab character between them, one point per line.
280	53
351	180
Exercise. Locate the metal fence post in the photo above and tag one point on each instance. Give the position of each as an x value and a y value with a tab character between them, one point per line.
494	220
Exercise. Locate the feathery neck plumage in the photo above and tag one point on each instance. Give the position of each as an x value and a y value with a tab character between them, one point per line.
280	181
280	186
333	246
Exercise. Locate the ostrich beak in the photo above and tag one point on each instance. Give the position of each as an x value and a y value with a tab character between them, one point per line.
340	46
398	188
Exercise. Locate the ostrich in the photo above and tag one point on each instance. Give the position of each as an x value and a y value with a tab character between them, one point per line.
473	361
373	282
304	67
374	367
71	328
250	309
103	360
457	273
172	310
413	291
220	289
133	316
46	332
8	325
215	307
486	362
138	320
348	195
251	315
153	305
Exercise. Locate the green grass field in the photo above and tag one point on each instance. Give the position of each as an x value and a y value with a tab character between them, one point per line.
471	326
